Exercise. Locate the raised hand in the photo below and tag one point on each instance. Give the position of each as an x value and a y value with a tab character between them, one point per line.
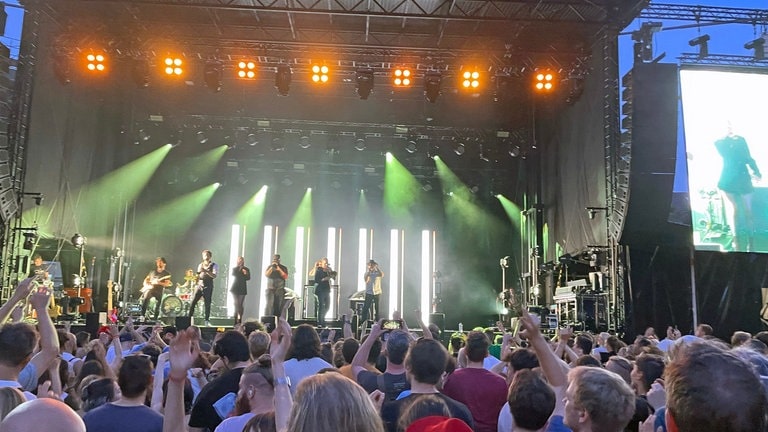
182	354
40	298
23	289
281	340
530	324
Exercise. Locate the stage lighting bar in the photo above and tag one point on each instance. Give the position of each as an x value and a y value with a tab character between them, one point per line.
320	74
173	66
270	239
246	69
471	80
402	77
544	81
96	62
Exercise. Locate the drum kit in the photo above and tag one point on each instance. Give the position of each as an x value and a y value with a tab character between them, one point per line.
177	302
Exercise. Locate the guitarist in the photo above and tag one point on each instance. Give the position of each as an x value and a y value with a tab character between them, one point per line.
154	284
206	272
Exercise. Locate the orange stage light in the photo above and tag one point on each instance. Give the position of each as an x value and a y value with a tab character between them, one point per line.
544	81
96	62
173	66
246	69
471	80
320	74
402	77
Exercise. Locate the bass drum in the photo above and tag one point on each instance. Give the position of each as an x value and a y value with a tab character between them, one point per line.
171	306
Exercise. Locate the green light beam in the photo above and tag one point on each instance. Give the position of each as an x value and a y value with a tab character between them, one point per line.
401	190
173	219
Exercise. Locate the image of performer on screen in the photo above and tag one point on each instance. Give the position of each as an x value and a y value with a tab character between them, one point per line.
372	277
240	275
154	284
736	183
206	273
276	274
323	276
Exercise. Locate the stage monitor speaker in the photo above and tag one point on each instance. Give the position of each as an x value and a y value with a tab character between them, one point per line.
270	322
183	322
92	324
438	319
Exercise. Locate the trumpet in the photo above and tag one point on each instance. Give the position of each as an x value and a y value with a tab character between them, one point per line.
331	273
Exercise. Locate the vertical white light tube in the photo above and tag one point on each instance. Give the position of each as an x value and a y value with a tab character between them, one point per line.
298	260
266	259
424	298
362	255
234	248
394	270
331	254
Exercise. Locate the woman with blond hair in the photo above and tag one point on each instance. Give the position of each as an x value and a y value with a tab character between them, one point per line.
352	408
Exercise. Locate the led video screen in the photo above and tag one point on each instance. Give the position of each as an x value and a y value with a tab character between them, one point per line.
726	135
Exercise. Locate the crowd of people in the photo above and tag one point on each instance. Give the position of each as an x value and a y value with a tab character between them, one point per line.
136	378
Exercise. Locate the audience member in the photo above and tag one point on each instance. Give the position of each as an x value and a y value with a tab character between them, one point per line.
393	381
740	338
597	400
710	389
621	367
256	394
482	391
97	393
258	343
425	406
45	414
531	402
425	364
304	356
350	347
129	413
232	349
703	331
647	369
10	398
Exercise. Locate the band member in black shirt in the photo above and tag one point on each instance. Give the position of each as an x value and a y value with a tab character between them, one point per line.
240	275
276	275
154	284
323	276
206	273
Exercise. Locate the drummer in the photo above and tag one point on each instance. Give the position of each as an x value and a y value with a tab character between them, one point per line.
190	281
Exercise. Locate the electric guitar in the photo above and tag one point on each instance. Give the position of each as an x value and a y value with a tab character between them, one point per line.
152	282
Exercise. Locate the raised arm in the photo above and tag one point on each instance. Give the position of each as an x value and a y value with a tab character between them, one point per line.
182	355
20	293
426	333
278	348
554	368
361	356
49	340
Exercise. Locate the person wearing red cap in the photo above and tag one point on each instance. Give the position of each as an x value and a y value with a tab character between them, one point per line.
438	424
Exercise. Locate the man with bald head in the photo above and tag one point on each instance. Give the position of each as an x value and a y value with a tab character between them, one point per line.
44	414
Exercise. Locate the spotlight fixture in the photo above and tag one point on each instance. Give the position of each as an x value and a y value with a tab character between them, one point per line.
471	80
173	66
30	239
202	138
305	142
95	62
643	48
320	74
246	69
411	147
252	139
759	46
212	75
432	85
364	79
460	149
544	81
360	144
78	240
283	80
483	156
402	77
514	151
702	43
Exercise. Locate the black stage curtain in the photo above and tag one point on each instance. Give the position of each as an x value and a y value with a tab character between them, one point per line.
728	290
